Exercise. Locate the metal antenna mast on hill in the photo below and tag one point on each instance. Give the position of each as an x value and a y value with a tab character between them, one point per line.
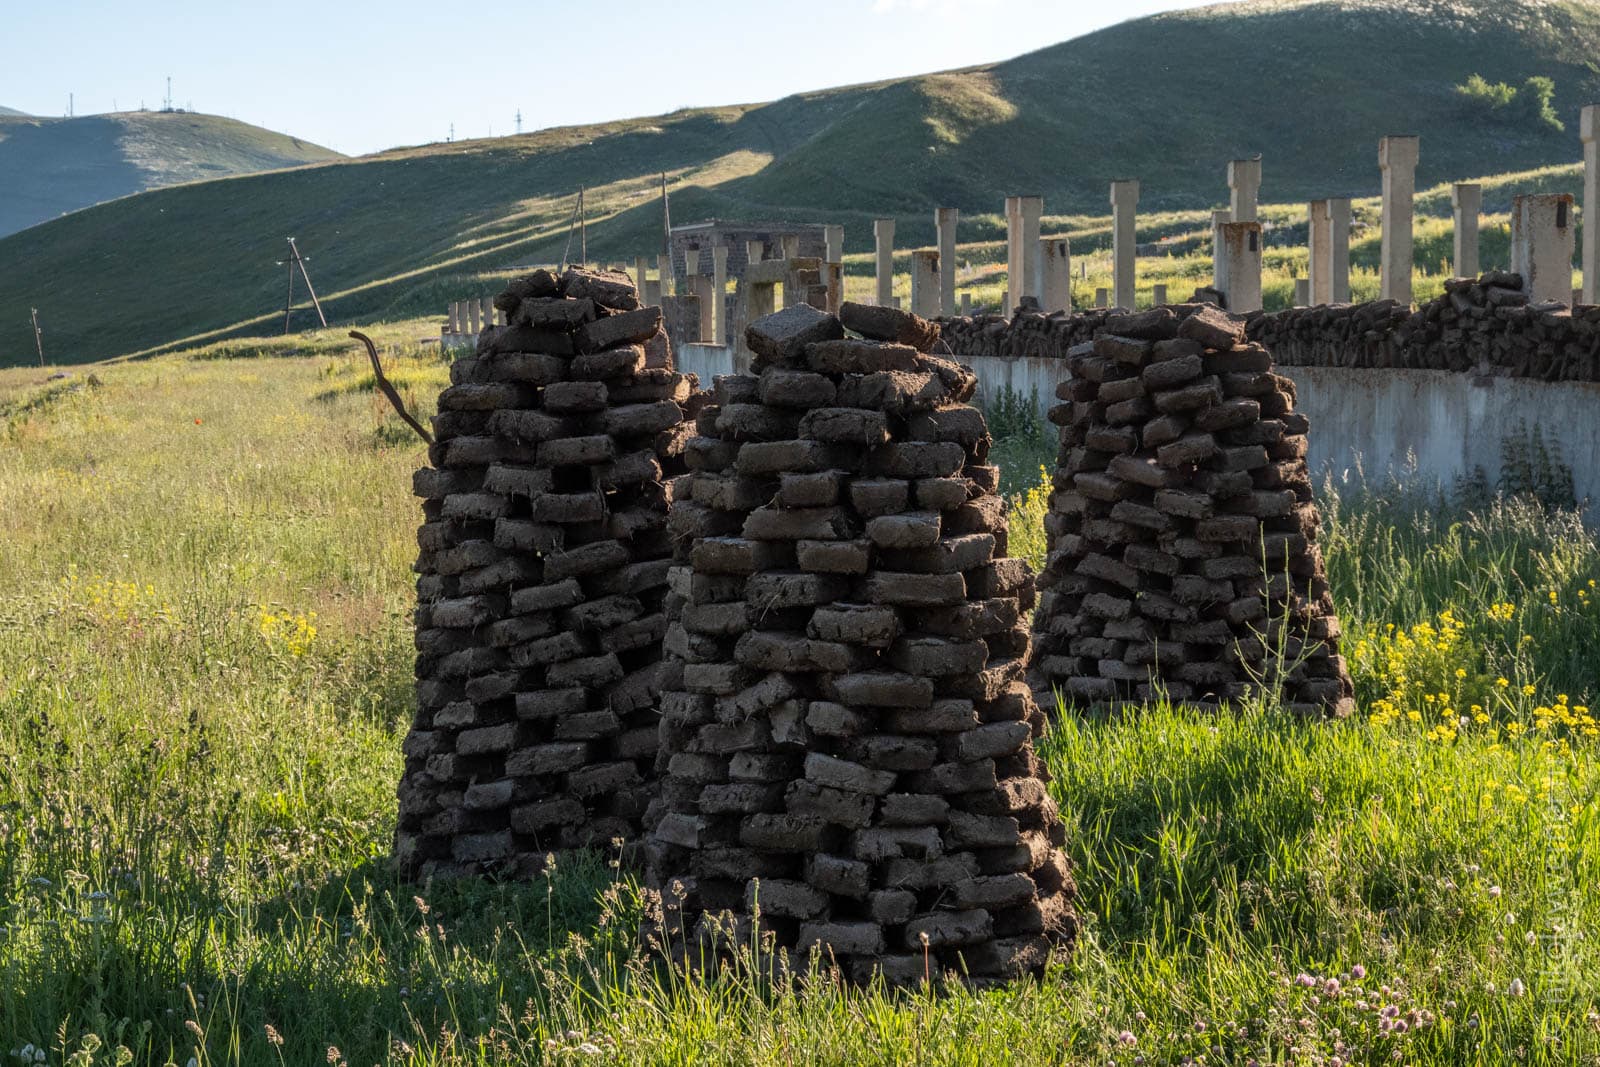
38	335
519	120
298	262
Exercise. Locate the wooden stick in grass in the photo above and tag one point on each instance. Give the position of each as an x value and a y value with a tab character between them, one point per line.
389	390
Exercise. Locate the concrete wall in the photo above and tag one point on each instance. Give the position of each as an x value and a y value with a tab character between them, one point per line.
1443	423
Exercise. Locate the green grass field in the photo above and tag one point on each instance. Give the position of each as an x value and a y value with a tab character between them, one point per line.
205	674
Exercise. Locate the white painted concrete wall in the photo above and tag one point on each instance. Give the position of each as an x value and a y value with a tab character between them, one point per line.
1441	424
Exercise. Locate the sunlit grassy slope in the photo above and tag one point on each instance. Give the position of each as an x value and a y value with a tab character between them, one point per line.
1312	85
205	672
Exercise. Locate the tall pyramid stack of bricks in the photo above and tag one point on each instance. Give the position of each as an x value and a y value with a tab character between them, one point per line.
1182	538
850	748
543	569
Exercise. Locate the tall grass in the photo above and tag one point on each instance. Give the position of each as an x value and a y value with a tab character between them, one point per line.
205	679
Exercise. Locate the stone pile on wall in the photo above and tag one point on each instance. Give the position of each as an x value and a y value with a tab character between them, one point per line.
543	570
1182	534
1483	324
850	750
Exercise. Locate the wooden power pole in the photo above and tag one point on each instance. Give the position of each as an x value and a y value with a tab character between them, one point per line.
298	262
38	335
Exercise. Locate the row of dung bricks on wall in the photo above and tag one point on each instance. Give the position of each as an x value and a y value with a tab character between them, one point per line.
1483	324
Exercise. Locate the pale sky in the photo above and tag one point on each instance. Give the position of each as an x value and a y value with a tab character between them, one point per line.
361	76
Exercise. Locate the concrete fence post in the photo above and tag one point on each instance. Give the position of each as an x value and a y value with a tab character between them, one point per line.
1013	292
719	298
883	234
1241	252
833	266
925	283
1589	131
1542	235
1158	294
1124	240
1319	271
945	220
1244	188
1219	266
1056	287
1397	157
1466	204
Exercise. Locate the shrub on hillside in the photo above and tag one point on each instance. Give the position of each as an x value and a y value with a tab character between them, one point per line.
1506	103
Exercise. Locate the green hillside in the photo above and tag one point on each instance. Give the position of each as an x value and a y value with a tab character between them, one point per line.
1310	85
49	166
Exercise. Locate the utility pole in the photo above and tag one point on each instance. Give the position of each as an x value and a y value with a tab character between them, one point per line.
71	106
666	217
38	335
452	134
297	261
168	105
519	120
583	237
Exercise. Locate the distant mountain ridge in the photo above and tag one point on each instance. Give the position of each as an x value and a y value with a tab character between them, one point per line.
1312	85
49	166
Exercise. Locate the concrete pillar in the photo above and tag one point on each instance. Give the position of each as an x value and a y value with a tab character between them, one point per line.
1241	252
1219	219
1339	247
641	272
1302	292
1158	294
1124	240
650	295
966	304
1055	287
833	243
833	266
925	283
1466	204
944	224
1244	187
1030	216
790	243
1589	131
1013	291
1397	157
1319	284
1541	245
454	317
883	234
754	250
474	311
1100	298
719	299
664	270
695	284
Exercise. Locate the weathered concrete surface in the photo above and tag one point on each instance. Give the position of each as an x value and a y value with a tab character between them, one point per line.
1440	424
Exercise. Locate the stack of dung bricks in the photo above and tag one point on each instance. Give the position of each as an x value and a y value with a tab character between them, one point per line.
1182	535
543	570
850	752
